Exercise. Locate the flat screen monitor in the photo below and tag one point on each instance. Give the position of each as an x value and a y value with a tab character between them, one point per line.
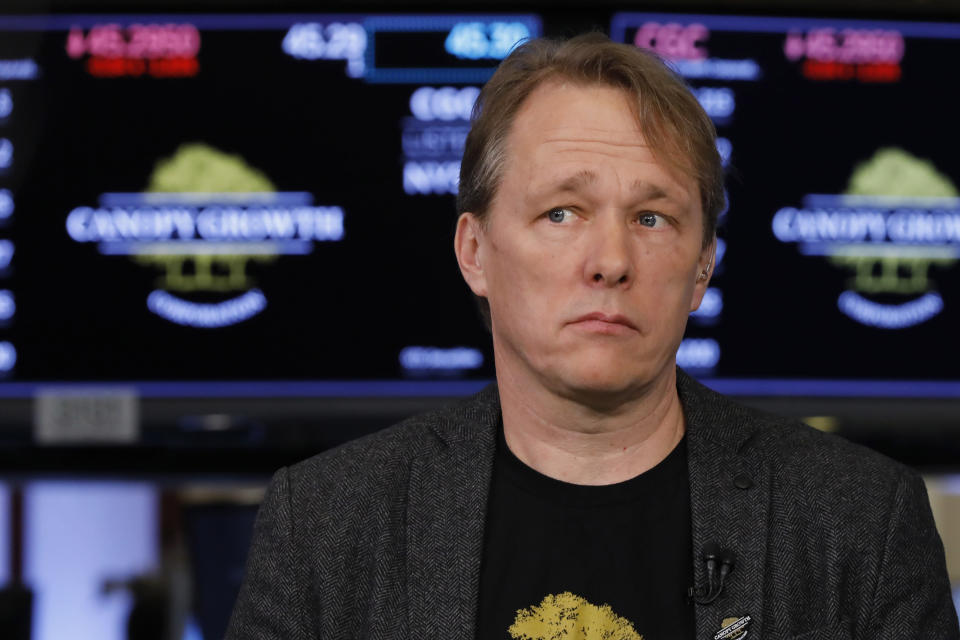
837	270
263	205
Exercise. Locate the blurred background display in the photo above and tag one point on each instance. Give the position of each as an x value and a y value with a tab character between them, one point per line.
226	245
263	198
253	198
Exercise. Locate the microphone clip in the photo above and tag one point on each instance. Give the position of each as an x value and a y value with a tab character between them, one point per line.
719	562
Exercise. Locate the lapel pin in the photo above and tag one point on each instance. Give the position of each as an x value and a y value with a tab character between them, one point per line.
733	629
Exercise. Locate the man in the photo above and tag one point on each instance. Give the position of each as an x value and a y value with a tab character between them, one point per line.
595	491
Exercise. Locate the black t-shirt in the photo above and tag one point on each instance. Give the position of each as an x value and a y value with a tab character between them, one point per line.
609	561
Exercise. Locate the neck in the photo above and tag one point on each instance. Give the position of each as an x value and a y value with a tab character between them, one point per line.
575	442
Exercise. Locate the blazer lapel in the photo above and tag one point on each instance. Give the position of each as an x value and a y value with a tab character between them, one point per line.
447	503
729	497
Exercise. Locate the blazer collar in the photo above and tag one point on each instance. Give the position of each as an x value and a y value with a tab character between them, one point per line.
729	499
449	487
446	513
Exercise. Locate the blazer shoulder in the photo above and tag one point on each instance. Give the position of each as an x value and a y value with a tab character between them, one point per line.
380	458
788	447
798	446
825	485
822	468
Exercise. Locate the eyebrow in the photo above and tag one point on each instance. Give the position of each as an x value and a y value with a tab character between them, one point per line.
585	178
577	181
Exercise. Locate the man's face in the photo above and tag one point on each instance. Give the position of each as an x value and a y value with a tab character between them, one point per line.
592	250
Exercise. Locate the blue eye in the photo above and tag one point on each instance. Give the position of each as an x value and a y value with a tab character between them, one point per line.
558	215
649	219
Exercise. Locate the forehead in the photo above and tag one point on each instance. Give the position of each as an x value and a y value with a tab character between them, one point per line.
565	129
557	107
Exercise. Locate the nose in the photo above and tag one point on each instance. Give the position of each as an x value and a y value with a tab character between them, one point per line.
609	257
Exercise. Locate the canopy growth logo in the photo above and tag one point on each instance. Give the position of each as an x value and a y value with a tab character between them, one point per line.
203	219
895	229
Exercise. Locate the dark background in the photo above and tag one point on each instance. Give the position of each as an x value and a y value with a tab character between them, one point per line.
86	136
344	312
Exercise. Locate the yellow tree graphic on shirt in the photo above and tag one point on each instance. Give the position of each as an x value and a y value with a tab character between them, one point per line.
567	616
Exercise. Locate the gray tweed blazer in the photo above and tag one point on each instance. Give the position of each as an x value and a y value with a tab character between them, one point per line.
382	537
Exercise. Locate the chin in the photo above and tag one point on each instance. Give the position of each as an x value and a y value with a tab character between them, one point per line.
610	385
607	380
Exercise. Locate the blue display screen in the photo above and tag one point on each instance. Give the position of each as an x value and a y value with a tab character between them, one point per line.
247	205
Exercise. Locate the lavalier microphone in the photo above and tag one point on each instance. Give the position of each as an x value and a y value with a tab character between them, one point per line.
719	563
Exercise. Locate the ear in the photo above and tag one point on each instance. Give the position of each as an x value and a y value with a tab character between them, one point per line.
468	246
705	264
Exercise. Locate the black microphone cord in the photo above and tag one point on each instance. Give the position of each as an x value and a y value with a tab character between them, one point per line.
712	554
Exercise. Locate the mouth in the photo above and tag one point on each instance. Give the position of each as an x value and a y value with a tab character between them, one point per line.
605	323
